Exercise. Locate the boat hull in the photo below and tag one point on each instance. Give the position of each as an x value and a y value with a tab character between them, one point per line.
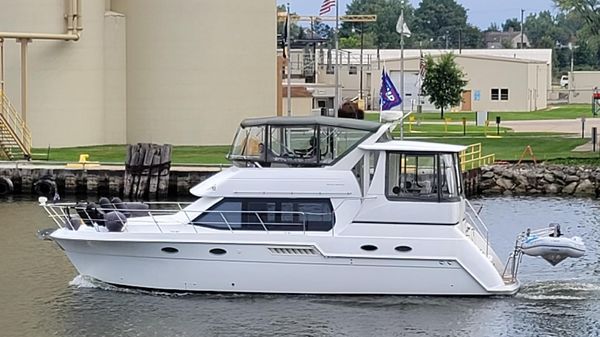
267	268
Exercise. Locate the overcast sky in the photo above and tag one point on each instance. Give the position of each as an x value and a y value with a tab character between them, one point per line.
481	12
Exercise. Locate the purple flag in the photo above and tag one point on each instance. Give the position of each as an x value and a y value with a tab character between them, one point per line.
388	94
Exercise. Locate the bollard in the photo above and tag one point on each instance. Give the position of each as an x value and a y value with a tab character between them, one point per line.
594	139
582	127
497	125
464	123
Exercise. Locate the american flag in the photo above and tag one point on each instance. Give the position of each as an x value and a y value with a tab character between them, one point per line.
326	6
422	72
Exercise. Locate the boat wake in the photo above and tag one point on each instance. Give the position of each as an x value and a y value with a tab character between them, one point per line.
560	290
83	281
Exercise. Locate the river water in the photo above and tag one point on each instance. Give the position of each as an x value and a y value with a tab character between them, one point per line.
41	294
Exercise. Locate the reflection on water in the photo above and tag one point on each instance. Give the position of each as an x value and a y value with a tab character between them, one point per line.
41	294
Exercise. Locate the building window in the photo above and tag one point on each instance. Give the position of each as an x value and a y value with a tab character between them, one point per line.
352	70
499	94
495	94
273	214
329	70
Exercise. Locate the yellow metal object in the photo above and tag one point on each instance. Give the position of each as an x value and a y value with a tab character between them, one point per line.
446	121
83	162
472	157
411	120
487	123
14	133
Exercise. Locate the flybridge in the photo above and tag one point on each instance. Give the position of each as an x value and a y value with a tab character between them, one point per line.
305	141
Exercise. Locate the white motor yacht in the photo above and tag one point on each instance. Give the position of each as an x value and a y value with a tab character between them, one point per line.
311	205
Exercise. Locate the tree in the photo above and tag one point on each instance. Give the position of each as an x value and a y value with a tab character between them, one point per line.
382	33
513	24
295	30
493	27
588	10
438	20
444	82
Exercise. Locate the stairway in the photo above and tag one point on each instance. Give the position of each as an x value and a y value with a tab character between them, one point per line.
15	137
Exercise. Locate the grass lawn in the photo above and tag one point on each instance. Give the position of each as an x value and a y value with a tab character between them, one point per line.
511	147
546	146
116	154
556	112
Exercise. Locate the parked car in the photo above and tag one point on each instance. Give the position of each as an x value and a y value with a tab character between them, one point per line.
564	81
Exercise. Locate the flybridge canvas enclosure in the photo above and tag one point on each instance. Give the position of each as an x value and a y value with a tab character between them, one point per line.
305	141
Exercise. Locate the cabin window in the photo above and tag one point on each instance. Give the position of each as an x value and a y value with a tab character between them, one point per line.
248	143
273	214
422	176
335	142
291	144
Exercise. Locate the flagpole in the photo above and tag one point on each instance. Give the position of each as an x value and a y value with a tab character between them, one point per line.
336	100
402	73
420	76
288	62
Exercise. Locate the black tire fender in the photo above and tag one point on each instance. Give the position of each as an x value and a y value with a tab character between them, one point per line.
6	186
45	187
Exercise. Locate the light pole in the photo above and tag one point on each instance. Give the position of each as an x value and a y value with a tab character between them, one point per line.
360	90
446	37
362	41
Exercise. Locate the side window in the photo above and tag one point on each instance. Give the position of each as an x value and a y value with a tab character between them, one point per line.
272	214
226	212
422	176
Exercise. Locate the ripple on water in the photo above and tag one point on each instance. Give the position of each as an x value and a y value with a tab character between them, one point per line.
560	290
83	281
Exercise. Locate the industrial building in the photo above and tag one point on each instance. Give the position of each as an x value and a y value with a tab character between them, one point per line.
179	72
582	85
493	83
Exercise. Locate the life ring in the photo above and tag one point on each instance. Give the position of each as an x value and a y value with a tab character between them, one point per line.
6	186
45	188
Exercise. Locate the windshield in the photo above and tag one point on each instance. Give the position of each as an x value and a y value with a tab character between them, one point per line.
296	145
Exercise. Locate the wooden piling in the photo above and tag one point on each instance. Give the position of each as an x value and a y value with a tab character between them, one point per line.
147	171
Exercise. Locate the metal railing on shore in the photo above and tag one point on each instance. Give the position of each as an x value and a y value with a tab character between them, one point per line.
472	157
16	126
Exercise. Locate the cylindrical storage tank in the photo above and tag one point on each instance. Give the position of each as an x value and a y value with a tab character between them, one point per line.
195	68
66	79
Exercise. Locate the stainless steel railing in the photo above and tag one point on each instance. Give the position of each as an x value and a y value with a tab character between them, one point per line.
478	225
64	213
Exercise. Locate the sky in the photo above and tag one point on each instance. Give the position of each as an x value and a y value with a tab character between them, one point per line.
480	12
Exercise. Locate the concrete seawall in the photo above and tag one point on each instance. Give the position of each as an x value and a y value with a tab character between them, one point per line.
104	180
107	180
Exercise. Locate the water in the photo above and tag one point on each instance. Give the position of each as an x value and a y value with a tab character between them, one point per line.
42	295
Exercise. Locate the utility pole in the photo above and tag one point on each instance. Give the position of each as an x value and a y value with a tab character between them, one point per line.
362	29
402	71
336	69
522	11
460	40
289	62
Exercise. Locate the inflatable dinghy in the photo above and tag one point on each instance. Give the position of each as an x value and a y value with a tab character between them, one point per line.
553	248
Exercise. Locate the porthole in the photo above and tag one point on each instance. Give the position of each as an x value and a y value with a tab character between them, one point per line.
368	248
403	249
218	251
170	250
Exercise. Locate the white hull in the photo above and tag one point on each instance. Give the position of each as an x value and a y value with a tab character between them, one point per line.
273	268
